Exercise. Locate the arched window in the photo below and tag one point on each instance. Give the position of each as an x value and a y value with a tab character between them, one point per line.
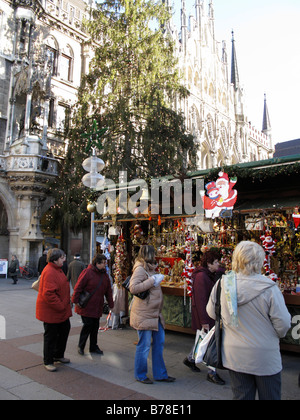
52	49
66	64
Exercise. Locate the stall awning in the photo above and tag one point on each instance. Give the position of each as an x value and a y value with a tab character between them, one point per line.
280	203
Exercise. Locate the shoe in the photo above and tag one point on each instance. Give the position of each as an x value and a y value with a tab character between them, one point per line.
97	351
191	365
62	360
215	379
168	379
146	381
80	351
50	368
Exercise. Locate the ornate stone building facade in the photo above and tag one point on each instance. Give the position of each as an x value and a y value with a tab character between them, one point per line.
42	57
215	110
43	54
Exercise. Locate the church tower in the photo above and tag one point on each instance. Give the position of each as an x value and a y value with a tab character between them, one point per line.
267	128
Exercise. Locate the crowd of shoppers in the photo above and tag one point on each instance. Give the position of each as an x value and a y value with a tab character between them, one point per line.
253	313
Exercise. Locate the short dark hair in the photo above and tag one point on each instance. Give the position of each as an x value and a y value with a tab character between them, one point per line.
54	254
209	257
98	259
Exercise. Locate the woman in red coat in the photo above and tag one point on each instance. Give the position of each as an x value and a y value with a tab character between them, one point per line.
53	307
204	278
89	280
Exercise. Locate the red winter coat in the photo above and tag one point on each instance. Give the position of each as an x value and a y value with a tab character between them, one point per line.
88	281
53	301
203	283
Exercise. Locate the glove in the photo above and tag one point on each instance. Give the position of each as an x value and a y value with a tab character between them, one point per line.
158	278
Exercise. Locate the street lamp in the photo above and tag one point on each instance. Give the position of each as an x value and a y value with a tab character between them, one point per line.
93	180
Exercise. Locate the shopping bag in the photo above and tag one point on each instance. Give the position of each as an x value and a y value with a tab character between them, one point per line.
202	345
200	334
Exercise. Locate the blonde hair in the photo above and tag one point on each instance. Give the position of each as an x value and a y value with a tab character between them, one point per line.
248	258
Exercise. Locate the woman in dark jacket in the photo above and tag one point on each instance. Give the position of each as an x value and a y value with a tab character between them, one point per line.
89	280
204	278
14	269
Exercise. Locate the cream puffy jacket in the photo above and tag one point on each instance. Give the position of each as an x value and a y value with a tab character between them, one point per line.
145	314
253	346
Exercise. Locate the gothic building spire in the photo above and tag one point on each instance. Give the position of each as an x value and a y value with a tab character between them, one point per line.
266	129
234	67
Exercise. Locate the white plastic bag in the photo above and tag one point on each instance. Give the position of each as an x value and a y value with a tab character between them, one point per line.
201	344
200	335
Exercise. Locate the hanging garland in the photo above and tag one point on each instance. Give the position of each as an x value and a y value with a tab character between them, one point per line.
121	264
256	173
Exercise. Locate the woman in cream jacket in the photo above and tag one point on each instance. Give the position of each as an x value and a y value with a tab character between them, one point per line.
251	344
146	317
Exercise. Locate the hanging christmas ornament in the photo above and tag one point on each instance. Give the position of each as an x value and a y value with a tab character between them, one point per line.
296	218
269	246
120	271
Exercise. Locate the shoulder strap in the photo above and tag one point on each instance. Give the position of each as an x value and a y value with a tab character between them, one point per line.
100	282
218	301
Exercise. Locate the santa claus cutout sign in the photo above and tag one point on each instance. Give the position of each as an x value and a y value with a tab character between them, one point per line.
220	197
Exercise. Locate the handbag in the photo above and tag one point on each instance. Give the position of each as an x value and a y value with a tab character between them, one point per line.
85	296
142	295
213	354
36	284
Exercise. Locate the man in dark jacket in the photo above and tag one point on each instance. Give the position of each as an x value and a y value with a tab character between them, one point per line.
74	270
42	262
204	278
14	269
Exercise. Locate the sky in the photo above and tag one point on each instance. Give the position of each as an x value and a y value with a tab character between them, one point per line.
267	35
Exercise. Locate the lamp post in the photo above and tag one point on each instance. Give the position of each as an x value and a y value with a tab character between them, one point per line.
91	207
92	180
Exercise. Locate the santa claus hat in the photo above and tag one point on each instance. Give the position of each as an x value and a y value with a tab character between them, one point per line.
223	177
211	186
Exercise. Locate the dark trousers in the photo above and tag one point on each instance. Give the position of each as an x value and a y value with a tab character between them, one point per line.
244	386
55	340
90	329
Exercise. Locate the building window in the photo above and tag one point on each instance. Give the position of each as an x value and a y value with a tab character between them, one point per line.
65	67
66	64
53	54
62	117
51	114
52	50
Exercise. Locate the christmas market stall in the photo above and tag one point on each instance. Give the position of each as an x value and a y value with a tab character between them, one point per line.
256	201
267	211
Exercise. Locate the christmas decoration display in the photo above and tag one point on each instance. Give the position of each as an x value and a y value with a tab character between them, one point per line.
296	218
121	265
220	198
269	246
137	234
188	265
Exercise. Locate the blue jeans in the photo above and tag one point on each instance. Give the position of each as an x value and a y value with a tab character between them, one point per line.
142	352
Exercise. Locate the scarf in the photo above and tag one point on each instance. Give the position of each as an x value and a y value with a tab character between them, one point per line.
230	290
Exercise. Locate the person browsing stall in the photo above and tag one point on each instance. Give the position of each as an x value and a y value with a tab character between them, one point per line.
146	317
